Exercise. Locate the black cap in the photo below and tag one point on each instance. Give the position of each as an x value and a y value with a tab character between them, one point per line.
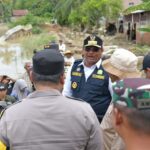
146	62
48	62
3	86
53	46
93	41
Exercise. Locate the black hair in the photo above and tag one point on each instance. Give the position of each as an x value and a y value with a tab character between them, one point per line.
139	120
46	78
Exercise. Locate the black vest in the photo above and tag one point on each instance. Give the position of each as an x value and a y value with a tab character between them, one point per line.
94	90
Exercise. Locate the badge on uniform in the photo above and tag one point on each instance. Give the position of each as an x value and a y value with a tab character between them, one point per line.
100	72
74	85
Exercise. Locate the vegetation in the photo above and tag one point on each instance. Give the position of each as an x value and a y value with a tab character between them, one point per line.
146	29
144	6
67	12
140	50
35	42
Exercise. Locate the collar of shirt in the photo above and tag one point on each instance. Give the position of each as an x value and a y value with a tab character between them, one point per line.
88	70
51	92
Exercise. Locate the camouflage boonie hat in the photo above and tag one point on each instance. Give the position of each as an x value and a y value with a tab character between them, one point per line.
132	93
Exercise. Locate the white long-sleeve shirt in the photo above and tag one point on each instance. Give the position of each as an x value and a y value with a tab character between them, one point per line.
87	71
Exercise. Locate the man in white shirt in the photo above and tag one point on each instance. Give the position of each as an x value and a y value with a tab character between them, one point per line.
87	79
62	46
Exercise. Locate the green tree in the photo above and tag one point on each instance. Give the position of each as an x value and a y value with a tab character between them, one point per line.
90	12
5	10
146	0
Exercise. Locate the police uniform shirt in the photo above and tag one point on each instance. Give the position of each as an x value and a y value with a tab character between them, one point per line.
47	120
87	71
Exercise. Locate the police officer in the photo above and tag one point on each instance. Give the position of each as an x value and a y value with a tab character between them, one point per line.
52	45
88	80
47	120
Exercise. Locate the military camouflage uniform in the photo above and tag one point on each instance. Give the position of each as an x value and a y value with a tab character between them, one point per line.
132	93
130	97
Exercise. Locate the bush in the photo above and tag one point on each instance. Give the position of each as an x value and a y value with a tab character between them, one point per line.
36	30
35	42
28	19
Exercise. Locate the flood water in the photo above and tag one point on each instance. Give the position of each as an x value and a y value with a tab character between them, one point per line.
11	61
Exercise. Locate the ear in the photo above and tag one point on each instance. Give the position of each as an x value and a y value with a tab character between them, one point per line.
62	79
102	49
148	69
118	117
31	76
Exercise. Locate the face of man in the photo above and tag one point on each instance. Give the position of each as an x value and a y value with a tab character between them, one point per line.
28	66
92	55
147	73
68	55
2	94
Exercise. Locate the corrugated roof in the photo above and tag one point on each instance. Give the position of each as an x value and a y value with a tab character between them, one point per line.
144	7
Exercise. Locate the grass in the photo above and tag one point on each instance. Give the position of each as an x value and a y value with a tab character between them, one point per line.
33	42
140	50
146	29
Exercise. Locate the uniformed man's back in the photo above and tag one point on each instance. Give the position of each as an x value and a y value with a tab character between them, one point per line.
53	122
47	120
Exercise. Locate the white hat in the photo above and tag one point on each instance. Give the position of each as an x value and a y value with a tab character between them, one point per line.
122	64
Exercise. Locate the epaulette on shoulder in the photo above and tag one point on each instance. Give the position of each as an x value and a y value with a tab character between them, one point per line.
78	60
73	98
2	112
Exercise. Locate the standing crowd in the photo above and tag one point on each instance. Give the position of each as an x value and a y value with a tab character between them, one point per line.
98	105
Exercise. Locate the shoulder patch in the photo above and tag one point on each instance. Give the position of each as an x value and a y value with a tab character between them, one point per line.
73	98
78	61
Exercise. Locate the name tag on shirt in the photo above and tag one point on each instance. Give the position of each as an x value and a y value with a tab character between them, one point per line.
76	74
101	77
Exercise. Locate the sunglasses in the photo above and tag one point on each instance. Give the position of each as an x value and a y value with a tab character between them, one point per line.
92	48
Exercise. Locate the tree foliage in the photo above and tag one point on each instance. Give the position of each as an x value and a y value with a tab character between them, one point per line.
87	11
144	6
68	12
145	0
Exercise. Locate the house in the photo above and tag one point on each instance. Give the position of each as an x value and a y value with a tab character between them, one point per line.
16	14
129	3
137	23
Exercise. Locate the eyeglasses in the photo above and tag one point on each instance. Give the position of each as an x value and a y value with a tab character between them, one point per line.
92	48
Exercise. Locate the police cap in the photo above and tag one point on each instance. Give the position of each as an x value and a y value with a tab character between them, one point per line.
93	41
48	62
52	45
